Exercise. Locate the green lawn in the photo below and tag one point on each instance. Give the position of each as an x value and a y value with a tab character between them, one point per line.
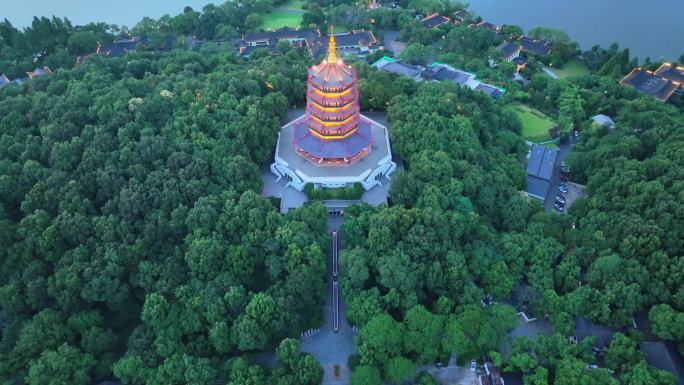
279	19
535	124
293	4
571	69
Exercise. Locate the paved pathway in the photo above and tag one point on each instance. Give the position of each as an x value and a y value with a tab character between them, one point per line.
391	44
450	374
328	347
550	73
564	148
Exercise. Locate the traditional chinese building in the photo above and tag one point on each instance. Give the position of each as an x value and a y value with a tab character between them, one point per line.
333	144
333	131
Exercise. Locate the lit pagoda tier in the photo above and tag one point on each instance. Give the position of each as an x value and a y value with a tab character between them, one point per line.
333	145
333	131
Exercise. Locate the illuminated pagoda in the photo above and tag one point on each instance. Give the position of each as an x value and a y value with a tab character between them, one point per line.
333	131
333	145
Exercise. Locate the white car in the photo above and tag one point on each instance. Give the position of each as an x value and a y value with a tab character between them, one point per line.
473	365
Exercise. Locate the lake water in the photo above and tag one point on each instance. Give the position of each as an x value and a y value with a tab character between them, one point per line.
648	29
120	12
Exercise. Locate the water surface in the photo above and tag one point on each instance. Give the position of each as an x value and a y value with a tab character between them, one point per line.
120	12
648	29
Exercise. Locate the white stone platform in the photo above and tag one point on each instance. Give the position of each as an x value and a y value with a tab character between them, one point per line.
368	171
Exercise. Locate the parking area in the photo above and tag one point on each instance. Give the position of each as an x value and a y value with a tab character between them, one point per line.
562	194
574	191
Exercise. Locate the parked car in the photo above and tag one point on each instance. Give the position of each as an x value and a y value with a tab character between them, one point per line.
473	365
560	198
563	177
438	363
559	207
563	188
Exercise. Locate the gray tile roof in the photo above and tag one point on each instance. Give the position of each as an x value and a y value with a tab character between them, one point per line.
441	72
121	47
490	90
669	72
402	69
509	50
542	161
648	83
485	24
434	20
601	120
535	47
537	187
585	328
664	355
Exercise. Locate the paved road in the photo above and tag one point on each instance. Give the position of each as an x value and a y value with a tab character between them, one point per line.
565	148
551	74
450	374
327	346
391	44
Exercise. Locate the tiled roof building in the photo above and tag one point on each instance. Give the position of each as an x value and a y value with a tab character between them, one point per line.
394	66
649	83
670	72
39	72
485	24
509	50
536	47
434	20
540	166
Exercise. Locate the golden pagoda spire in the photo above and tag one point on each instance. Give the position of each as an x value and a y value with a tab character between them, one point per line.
332	54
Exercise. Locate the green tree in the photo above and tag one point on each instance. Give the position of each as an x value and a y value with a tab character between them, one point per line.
366	375
379	340
66	365
400	369
474	331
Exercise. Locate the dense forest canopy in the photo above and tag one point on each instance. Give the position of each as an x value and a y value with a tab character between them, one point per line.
135	244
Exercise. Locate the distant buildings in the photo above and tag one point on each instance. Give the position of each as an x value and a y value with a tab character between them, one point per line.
269	40
434	21
670	72
459	16
509	50
121	47
540	165
541	48
603	120
38	72
441	72
394	66
647	82
356	42
438	72
487	25
661	84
